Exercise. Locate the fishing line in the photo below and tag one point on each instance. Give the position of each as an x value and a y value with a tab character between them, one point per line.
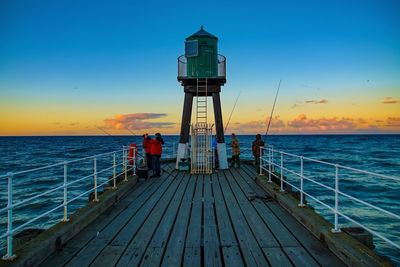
115	138
272	111
130	131
237	98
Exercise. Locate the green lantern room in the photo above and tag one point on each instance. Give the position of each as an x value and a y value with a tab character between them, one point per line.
201	58
202	55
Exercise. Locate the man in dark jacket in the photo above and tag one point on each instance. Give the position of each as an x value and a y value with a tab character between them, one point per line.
156	151
255	147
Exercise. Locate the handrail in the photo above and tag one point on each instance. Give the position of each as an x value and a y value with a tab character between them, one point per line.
11	231
60	163
126	167
173	154
268	164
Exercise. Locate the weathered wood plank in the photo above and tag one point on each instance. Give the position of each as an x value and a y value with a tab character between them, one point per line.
300	257
192	253
258	226
280	232
277	257
212	256
263	235
312	245
176	243
204	220
136	248
73	246
251	251
107	259
230	249
131	217
154	252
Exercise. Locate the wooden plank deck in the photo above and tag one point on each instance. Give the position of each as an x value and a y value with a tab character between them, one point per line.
195	220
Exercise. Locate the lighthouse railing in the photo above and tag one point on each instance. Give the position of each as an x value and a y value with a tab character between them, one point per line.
182	67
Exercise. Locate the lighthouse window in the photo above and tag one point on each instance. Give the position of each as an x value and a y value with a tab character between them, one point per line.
191	48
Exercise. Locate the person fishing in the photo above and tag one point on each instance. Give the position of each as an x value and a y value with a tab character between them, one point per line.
147	144
156	151
235	151
255	147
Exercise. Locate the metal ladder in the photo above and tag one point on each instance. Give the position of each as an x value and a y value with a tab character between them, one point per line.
201	132
201	101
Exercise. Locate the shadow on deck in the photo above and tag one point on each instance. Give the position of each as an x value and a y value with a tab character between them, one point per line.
223	219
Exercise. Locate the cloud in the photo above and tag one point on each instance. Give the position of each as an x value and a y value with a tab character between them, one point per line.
322	101
302	123
389	100
137	121
393	122
276	122
257	126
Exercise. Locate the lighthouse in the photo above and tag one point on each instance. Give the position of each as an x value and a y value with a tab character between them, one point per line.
201	72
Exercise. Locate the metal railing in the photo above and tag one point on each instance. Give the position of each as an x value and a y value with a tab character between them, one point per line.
128	163
272	160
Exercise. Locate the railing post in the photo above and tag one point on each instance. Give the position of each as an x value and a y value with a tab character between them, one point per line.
134	161
272	158
95	180
65	185
260	162
126	164
9	255
269	166
282	190
336	229
173	149
114	171
301	183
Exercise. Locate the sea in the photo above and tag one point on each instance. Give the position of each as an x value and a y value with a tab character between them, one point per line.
372	153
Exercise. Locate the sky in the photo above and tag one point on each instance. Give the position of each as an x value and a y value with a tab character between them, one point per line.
72	67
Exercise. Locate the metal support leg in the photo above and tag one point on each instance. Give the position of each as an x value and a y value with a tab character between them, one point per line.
95	180
125	159
9	255
282	190
65	185
269	166
114	171
336	229
301	204
134	161
260	159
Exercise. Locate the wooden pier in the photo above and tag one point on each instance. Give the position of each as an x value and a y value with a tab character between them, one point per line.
223	219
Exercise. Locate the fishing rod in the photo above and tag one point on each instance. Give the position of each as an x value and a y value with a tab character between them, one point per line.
272	111
237	98
115	138
130	131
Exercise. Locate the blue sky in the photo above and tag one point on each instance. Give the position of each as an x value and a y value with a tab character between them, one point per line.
119	57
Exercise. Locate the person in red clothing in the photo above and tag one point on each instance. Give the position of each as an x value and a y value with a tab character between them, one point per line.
147	145
156	151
